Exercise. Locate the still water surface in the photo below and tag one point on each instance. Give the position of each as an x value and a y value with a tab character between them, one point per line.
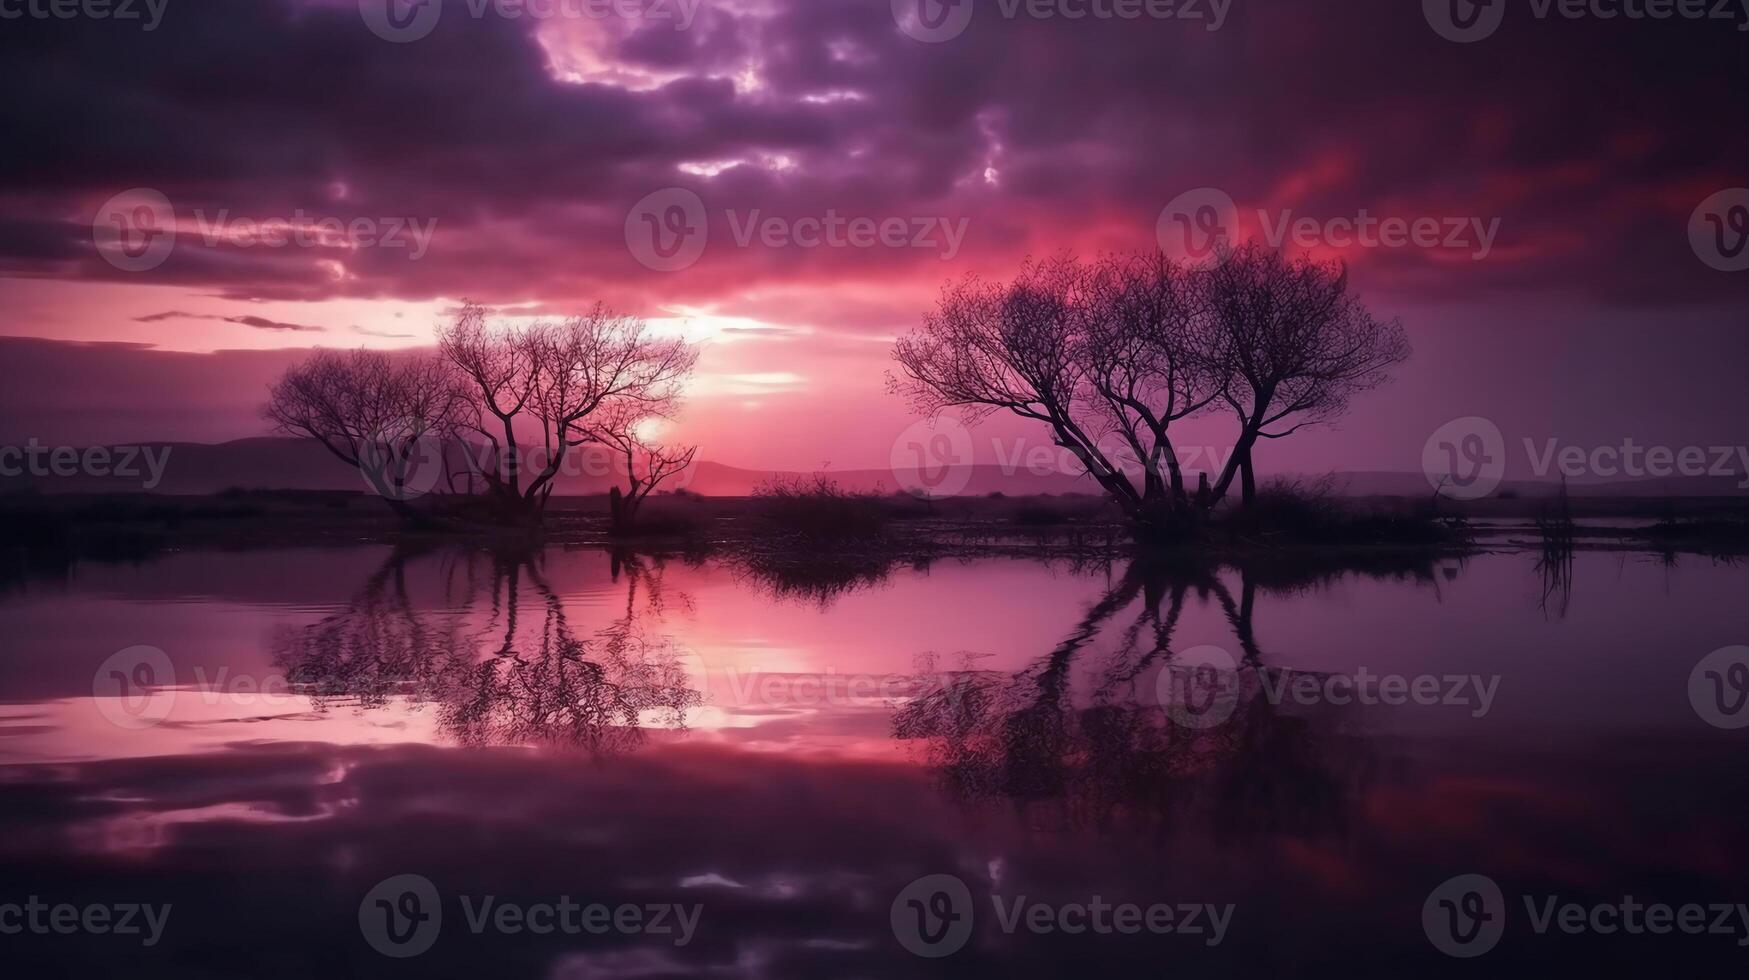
786	755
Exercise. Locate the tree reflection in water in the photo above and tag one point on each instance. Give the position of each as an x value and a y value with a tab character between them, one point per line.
523	677
1113	757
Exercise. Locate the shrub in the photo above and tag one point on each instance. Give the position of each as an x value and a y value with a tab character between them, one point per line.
1311	512
817	507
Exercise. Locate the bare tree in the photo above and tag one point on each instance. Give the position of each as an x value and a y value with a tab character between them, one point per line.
1148	358
551	378
388	415
499	364
1295	346
1107	356
1110	355
647	464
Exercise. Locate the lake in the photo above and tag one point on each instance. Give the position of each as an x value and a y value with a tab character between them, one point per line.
353	761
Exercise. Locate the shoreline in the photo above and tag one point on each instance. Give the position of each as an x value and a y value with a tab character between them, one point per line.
136	525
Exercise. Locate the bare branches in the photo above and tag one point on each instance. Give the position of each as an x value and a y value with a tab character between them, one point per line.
555	382
1148	357
647	463
1110	354
1112	349
1296	346
387	414
550	385
595	362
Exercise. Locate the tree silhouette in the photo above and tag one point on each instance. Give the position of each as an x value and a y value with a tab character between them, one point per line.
388	415
1294	346
1109	355
601	368
647	464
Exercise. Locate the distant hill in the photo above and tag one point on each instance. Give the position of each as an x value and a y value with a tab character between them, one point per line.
270	463
301	464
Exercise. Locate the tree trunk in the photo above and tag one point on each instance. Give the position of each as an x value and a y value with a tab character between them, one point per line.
618	513
1247	480
1238	464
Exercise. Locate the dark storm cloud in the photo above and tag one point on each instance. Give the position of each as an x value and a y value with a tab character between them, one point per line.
1590	141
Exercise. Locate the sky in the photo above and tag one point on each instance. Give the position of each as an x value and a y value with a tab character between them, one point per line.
792	182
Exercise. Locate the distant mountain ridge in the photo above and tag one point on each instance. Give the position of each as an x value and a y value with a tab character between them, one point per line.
278	463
